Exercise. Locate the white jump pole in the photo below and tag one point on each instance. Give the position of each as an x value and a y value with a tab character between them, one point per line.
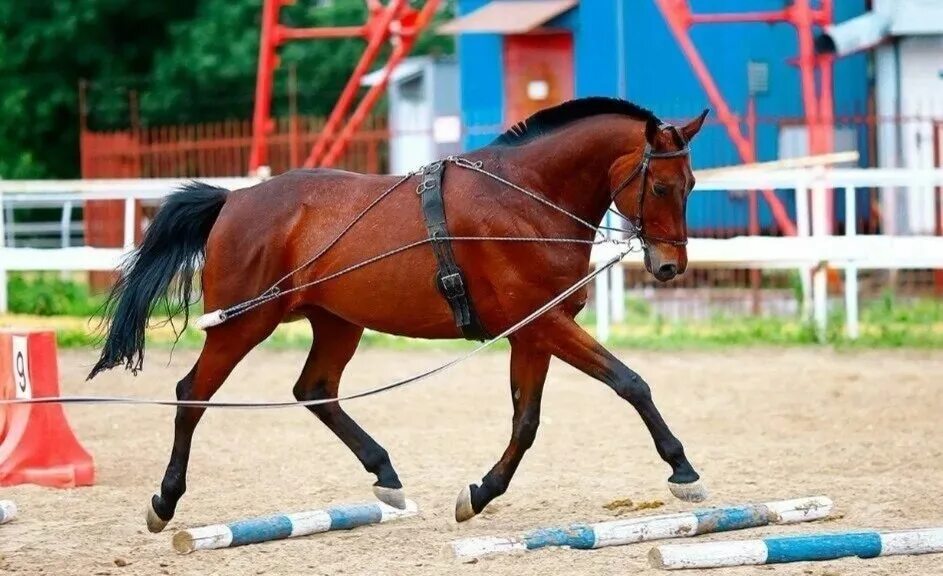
645	528
280	526
802	548
7	511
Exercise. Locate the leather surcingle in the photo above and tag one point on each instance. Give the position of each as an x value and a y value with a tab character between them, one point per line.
449	277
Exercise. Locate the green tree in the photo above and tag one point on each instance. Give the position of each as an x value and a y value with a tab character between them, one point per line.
188	60
208	71
46	48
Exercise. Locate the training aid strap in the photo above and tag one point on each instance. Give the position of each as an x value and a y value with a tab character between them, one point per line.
449	277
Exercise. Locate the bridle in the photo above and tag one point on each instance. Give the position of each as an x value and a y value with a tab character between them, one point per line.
642	169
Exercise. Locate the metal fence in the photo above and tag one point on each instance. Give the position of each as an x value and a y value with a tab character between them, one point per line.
220	149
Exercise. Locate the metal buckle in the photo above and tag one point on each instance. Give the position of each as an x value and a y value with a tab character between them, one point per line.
426	184
428	172
432	168
453	285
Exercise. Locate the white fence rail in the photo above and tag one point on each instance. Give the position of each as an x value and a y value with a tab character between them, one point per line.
811	252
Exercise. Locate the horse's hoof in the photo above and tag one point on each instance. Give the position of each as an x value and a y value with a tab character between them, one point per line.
463	505
692	492
394	497
155	523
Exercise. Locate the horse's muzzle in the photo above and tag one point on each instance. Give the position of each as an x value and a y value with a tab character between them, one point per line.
662	270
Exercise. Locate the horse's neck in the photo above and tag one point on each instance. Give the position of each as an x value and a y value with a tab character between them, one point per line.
572	165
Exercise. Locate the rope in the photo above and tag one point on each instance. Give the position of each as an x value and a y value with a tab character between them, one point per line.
274	292
346	229
477	167
625	248
243	307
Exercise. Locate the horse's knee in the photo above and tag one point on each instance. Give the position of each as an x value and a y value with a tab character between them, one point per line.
631	387
527	430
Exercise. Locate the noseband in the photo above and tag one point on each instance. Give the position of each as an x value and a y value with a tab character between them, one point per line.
642	169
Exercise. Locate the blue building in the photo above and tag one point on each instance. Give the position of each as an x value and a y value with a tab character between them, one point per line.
516	56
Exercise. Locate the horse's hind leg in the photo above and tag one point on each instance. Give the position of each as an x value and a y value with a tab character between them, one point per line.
335	341
528	372
578	349
225	346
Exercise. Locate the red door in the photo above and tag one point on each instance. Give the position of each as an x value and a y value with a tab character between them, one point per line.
538	73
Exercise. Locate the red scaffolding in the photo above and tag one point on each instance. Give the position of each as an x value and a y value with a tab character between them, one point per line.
395	22
816	98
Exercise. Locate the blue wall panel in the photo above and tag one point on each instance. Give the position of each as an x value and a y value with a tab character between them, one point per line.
658	76
594	46
482	69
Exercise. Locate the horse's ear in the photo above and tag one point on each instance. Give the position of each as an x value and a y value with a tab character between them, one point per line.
651	132
690	130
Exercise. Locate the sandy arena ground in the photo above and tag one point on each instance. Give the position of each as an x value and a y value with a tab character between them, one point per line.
861	427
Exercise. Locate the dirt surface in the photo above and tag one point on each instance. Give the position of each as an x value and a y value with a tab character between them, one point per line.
861	427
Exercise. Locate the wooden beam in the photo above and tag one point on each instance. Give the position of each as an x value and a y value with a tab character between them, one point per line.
784	164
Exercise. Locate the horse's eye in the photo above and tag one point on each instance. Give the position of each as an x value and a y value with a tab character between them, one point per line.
660	190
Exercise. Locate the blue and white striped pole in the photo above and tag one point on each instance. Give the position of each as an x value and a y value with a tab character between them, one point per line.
282	526
806	547
7	511
645	528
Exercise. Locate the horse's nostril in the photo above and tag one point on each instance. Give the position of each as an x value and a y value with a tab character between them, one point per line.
668	270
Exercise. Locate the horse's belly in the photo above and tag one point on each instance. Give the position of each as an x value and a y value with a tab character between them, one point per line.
400	300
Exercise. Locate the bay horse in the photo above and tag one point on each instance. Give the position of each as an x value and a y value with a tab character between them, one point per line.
579	157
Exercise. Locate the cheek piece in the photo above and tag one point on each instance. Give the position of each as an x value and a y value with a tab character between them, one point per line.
642	169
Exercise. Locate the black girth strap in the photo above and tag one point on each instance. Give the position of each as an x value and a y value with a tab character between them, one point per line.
449	278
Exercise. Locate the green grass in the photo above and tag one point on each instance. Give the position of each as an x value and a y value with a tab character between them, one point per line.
47	295
886	322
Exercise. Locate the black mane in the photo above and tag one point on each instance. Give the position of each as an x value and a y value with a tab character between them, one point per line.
546	121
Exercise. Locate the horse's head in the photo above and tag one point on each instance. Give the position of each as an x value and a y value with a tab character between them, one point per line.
651	186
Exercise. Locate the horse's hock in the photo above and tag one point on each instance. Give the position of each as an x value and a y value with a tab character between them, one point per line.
37	446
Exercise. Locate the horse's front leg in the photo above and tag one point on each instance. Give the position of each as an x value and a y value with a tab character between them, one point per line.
528	372
574	346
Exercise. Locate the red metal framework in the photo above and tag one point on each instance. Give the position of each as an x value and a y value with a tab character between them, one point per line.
817	100
396	22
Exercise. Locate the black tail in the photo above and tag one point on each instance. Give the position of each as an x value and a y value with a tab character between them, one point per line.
175	242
